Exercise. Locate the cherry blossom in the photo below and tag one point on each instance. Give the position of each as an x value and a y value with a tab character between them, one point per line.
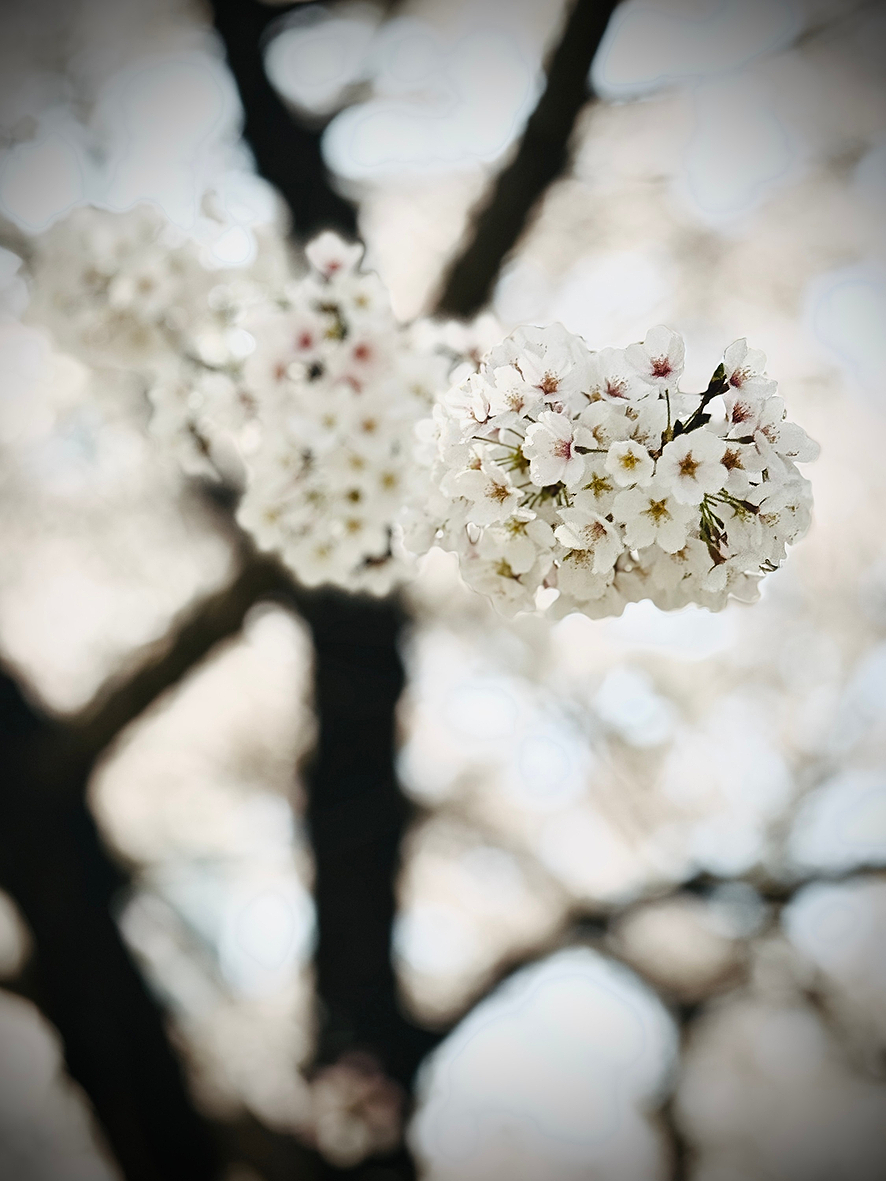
692	466
552	450
744	464
578	580
659	359
667	569
589	531
629	463
512	396
744	369
653	515
332	256
491	493
552	360
604	425
611	378
786	439
598	487
471	401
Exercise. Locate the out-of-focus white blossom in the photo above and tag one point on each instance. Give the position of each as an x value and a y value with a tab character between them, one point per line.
105	283
339	386
303	392
132	291
125	289
593	474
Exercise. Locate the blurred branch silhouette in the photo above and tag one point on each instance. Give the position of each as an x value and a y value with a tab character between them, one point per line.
286	152
541	157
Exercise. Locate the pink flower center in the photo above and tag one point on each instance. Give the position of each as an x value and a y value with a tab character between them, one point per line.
563	448
661	367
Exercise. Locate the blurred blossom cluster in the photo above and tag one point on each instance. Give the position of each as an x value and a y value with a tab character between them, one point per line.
337	386
132	292
115	288
593	473
356	1110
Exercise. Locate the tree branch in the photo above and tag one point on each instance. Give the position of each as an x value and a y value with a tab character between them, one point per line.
540	159
212	620
286	153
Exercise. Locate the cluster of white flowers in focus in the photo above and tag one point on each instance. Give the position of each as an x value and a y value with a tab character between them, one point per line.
592	473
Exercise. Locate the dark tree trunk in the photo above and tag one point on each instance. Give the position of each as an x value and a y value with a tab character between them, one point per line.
286	153
52	861
356	811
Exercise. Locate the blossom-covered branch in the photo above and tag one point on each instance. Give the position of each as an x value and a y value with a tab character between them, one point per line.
562	478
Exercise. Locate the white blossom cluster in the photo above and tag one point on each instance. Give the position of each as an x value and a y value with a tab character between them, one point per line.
339	386
592	473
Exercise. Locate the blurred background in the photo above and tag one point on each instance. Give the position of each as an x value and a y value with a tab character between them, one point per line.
640	903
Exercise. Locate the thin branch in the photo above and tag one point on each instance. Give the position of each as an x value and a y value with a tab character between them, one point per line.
286	153
212	620
540	159
591	927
